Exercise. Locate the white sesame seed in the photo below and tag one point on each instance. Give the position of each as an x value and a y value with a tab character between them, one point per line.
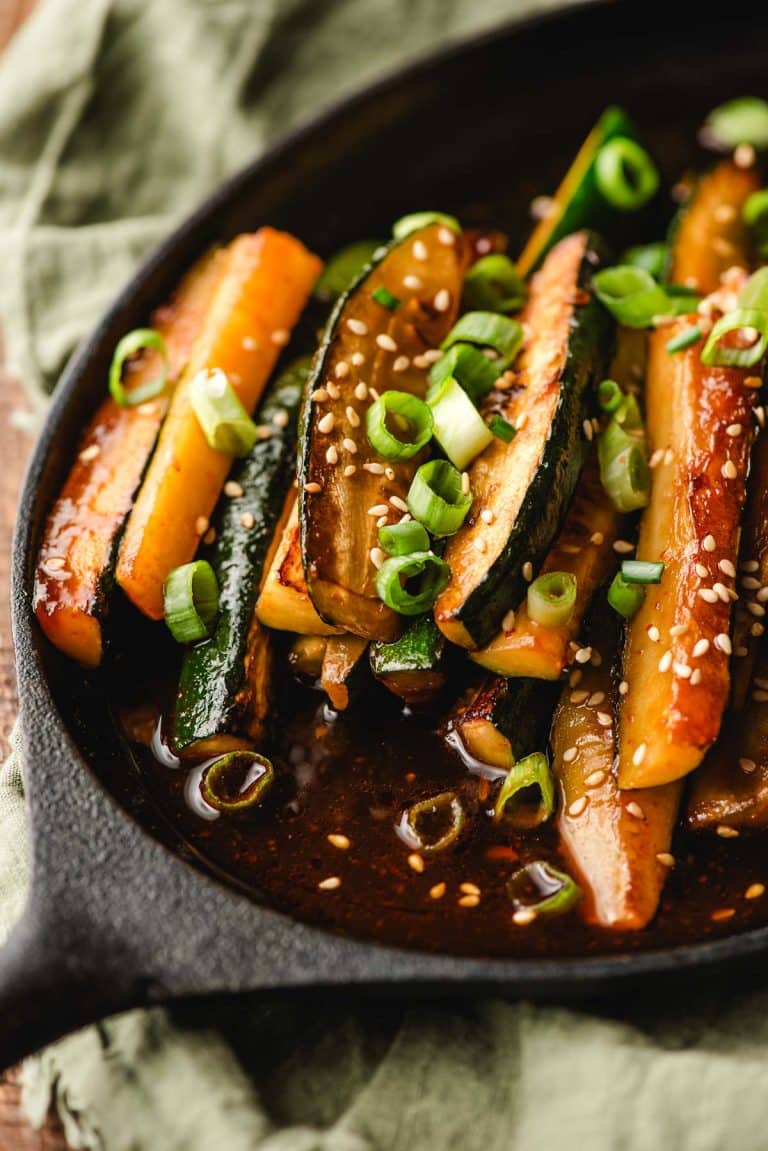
479	544
762	595
280	337
595	778
588	430
431	356
359	327
486	515
416	862
707	594
523	916
727	832
722	642
542	207
669	455
319	396
575	677
340	841
747	765
728	470
420	251
596	698
54	564
666	858
570	754
757	629
744	156
413	282
442	300
639	754
378	510
349	445
701	647
654	635
382	521
634	809
760	415
583	655
326	423
464	483
247	520
202	523
665	663
341	370
695	677
329	884
89	453
754	891
469	901
399	503
374	468
727	568
756	609
750	566
470	889
232	489
623	547
349	471
312	489
579	696
677	629
597	538
357	359
721	591
401	364
708	543
604	719
377	557
352	416
508	623
682	670
522	421
741	650
281	419
389	473
437	892
623	687
332	455
527	571
734	430
578	806
385	341
700	570
446	236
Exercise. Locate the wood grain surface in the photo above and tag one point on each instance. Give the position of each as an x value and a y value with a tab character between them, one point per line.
15	445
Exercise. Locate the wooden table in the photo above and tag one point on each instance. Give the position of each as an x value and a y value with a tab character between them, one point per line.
15	1134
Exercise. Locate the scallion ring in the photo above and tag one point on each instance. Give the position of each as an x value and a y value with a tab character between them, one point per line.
237	782
466	364
415	221
685	339
398	425
396	577
609	396
642	571
502	429
542	888
191	601
433	825
458	426
625	174
436	498
624	471
488	330
527	796
752	325
132	342
652	258
343	269
755	216
494	284
631	295
224	421
625	598
552	598
740	121
403	539
386	299
754	294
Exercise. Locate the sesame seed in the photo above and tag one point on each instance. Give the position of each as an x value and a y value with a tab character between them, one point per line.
374	468
701	647
575	677
281	419
666	858
595	659
89	453
579	696
416	862
604	719
378	510
249	344
319	396
760	415
464	483
470	888
508	623
760	696
359	327
635	810
523	916
597	538
656	458
486	515
700	570
522	421
479	544
332	456
595	778
442	300
401	364
727	568
332	389
578	806
747	765
639	754
389	473
756	609
744	156
148	409
326	423
280	337
762	595
721	591
437	892
734	430
446	236
757	629
728	470
349	445
340	841
232	489
54	564
665	663
399	503
349	471
329	884
583	655
753	382
542	207
528	571
754	891
589	431
469	901
420	251
247	520
431	356
682	670
724	212
596	698
209	536
202	523
357	359
708	543
669	455
377	557
341	370
707	594
722	914
570	754
312	489
654	635
695	677
623	687
722	642
741	650
726	832
352	416
382	521
413	282
623	547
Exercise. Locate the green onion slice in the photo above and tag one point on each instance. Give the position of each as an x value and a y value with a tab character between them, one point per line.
642	571
652	258
751	327
386	299
458	426
755	215
399	425
685	339
754	294
343	269
433	825
625	598
466	364
489	331
502	429
403	539
494	284
191	601
410	584
417	220
741	121
625	174
224	421
436	498
627	415
610	396
542	888
632	296
552	598
527	796
624	471
237	782
132	342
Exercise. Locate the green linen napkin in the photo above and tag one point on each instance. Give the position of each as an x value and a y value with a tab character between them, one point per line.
116	117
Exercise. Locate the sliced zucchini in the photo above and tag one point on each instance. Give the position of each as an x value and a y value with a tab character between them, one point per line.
369	345
753	565
524	487
502	720
709	235
223	696
306	656
413	666
585	549
284	602
345	669
578	202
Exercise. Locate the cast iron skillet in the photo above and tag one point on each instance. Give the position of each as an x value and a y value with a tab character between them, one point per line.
117	918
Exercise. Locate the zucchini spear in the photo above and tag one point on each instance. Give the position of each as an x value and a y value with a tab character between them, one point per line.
502	720
753	564
413	666
284	602
709	235
345	669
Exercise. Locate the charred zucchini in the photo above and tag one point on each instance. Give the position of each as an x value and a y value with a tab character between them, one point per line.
223	697
503	720
708	235
753	564
412	667
368	345
344	670
524	487
284	602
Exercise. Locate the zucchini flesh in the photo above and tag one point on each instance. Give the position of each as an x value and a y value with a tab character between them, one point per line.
612	849
585	549
709	234
502	720
223	695
344	669
268	278
84	525
412	667
747	631
284	602
337	531
527	484
578	202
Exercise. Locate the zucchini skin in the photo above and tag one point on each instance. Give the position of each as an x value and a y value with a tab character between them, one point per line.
518	710
413	667
474	621
213	695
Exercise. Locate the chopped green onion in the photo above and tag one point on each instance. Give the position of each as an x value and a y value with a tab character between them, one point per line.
132	342
754	294
685	339
224	421
625	598
458	426
437	499
430	572
341	271
552	598
625	174
755	215
403	539
417	220
502	429
542	888
642	571
236	782
467	364
494	284
627	415
753	327
386	299
741	121
609	396
489	331
514	803
652	258
624	471
191	601
398	425
433	825
632	296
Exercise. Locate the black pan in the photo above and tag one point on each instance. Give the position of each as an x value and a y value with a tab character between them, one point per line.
118	915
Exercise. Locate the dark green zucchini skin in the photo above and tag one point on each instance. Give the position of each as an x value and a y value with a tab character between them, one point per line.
210	696
520	709
419	648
